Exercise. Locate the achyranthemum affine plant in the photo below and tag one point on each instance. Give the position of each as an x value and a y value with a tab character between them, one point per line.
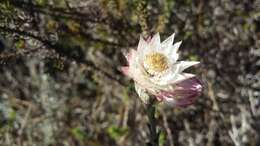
156	71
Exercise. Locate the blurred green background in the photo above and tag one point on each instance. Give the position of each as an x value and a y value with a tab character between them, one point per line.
60	83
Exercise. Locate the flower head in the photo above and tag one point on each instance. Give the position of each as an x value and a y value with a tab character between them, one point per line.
155	68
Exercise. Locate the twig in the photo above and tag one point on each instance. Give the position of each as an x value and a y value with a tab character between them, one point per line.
57	11
24	122
56	48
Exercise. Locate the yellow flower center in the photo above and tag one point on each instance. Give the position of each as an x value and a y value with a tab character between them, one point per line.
155	63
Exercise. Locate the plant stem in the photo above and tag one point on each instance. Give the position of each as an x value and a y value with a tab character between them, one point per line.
152	125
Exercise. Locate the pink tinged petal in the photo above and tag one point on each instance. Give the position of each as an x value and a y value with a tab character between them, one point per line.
148	39
187	64
184	94
125	71
166	44
190	89
159	97
179	102
193	84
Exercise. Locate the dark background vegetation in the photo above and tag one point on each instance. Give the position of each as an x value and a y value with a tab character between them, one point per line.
60	84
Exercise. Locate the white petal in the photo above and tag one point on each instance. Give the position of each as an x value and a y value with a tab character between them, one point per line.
168	77
174	58
166	44
173	55
155	43
142	93
182	77
142	49
187	64
141	45
175	78
176	46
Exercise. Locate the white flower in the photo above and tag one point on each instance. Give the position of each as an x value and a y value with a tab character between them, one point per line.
155	68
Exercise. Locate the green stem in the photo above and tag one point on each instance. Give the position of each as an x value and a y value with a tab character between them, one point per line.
152	125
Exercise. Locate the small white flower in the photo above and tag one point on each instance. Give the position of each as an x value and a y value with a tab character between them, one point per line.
156	71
